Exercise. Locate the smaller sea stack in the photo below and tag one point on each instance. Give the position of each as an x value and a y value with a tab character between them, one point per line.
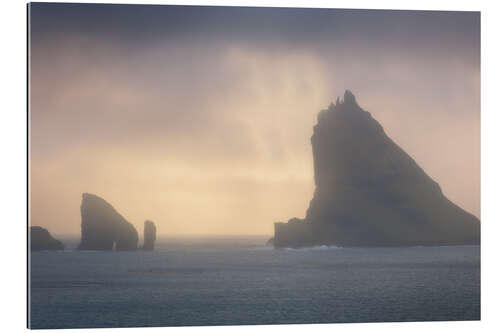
149	236
41	239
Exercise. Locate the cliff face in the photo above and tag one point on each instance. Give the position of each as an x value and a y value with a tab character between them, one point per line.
41	239
149	236
369	192
103	228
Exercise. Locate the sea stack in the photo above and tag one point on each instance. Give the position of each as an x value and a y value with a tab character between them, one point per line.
103	228
369	192
149	236
41	240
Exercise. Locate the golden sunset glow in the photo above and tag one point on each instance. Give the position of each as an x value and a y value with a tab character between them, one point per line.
214	138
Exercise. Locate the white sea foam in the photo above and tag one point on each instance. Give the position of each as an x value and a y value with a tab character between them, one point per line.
314	248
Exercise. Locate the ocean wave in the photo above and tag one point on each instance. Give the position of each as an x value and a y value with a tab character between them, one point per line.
313	248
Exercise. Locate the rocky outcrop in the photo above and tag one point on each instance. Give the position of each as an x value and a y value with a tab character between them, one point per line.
103	228
369	192
41	239
149	236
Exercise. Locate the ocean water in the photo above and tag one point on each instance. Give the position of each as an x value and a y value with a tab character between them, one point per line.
240	281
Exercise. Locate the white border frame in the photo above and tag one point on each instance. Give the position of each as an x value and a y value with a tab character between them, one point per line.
13	193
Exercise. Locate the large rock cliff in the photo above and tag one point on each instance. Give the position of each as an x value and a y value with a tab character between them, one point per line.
41	239
369	192
103	228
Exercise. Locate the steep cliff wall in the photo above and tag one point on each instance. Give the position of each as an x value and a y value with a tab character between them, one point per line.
369	192
103	228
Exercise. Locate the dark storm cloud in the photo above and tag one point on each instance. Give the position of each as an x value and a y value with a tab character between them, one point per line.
446	32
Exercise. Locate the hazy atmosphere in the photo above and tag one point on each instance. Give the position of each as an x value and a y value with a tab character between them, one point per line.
200	118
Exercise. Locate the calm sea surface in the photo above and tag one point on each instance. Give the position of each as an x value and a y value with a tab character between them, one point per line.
240	281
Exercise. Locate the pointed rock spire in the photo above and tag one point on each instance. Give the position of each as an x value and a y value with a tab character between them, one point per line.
149	236
349	98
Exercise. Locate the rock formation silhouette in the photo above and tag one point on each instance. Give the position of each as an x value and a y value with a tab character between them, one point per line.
369	192
149	236
103	228
41	239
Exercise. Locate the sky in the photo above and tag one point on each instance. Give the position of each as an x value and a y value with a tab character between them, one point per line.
200	118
